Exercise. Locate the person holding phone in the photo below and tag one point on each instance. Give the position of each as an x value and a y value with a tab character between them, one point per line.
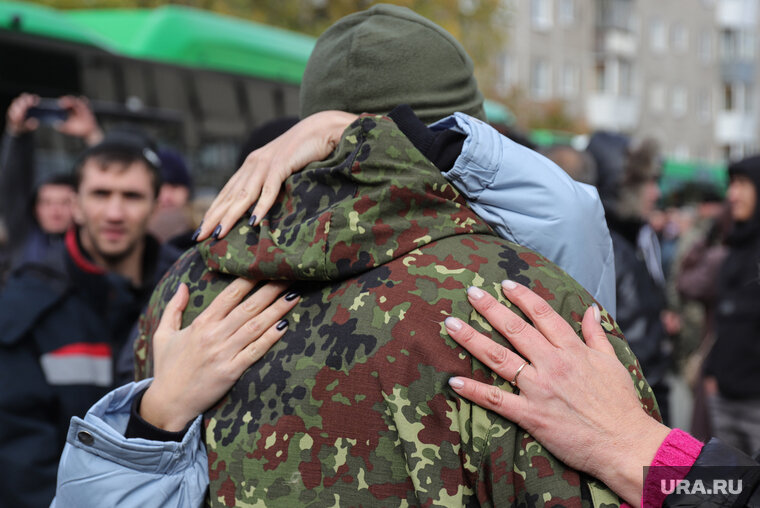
37	208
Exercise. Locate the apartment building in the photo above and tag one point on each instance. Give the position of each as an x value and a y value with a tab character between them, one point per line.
683	71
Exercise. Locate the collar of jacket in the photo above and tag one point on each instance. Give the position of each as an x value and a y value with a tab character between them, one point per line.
157	258
627	228
376	198
78	256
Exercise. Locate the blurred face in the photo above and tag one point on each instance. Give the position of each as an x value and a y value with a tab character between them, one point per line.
649	196
54	208
742	197
173	196
112	208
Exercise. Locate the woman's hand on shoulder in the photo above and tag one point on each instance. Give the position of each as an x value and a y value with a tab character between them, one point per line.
575	398
194	367
259	179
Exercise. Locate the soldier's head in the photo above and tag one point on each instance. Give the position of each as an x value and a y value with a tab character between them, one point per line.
117	185
375	60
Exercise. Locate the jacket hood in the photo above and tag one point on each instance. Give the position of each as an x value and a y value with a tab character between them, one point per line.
624	168
374	199
609	151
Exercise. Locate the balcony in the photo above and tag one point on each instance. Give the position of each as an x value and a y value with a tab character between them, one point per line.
737	70
733	127
616	42
612	112
736	13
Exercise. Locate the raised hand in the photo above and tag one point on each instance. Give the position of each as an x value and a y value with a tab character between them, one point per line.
81	121
16	121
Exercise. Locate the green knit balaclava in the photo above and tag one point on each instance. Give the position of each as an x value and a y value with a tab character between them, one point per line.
374	60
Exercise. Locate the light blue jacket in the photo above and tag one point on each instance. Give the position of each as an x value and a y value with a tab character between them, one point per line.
100	467
529	200
525	197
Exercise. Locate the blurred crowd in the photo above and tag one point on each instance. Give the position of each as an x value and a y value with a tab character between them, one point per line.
687	290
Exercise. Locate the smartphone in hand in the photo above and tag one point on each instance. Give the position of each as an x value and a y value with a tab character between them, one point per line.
47	111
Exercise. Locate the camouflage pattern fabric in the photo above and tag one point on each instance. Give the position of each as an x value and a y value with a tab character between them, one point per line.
352	407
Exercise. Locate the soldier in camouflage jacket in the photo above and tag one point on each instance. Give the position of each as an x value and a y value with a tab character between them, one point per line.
352	406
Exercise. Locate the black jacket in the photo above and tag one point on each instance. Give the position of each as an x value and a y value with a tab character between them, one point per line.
61	324
718	461
640	301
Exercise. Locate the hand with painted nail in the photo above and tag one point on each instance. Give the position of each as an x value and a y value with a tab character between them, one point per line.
259	179
576	399
196	366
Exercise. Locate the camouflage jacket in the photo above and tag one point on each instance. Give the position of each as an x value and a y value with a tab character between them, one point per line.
352	407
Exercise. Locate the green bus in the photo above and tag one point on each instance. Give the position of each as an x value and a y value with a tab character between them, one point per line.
198	80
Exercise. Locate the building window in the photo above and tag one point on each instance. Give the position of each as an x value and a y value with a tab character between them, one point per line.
540	80
566	12
657	98
729	103
747	48
615	14
729	45
600	76
738	97
680	37
737	45
570	81
541	14
705	47
508	73
679	103
658	36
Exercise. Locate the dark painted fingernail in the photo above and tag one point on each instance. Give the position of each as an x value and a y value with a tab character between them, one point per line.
252	220
216	232
196	234
282	325
292	296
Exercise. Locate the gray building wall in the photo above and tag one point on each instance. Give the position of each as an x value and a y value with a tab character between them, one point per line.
678	71
662	68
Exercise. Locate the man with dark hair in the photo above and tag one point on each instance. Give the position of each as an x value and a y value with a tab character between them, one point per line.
63	319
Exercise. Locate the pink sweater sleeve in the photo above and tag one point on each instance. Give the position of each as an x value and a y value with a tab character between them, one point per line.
679	450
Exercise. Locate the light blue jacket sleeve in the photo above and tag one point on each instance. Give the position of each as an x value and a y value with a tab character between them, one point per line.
100	467
529	200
